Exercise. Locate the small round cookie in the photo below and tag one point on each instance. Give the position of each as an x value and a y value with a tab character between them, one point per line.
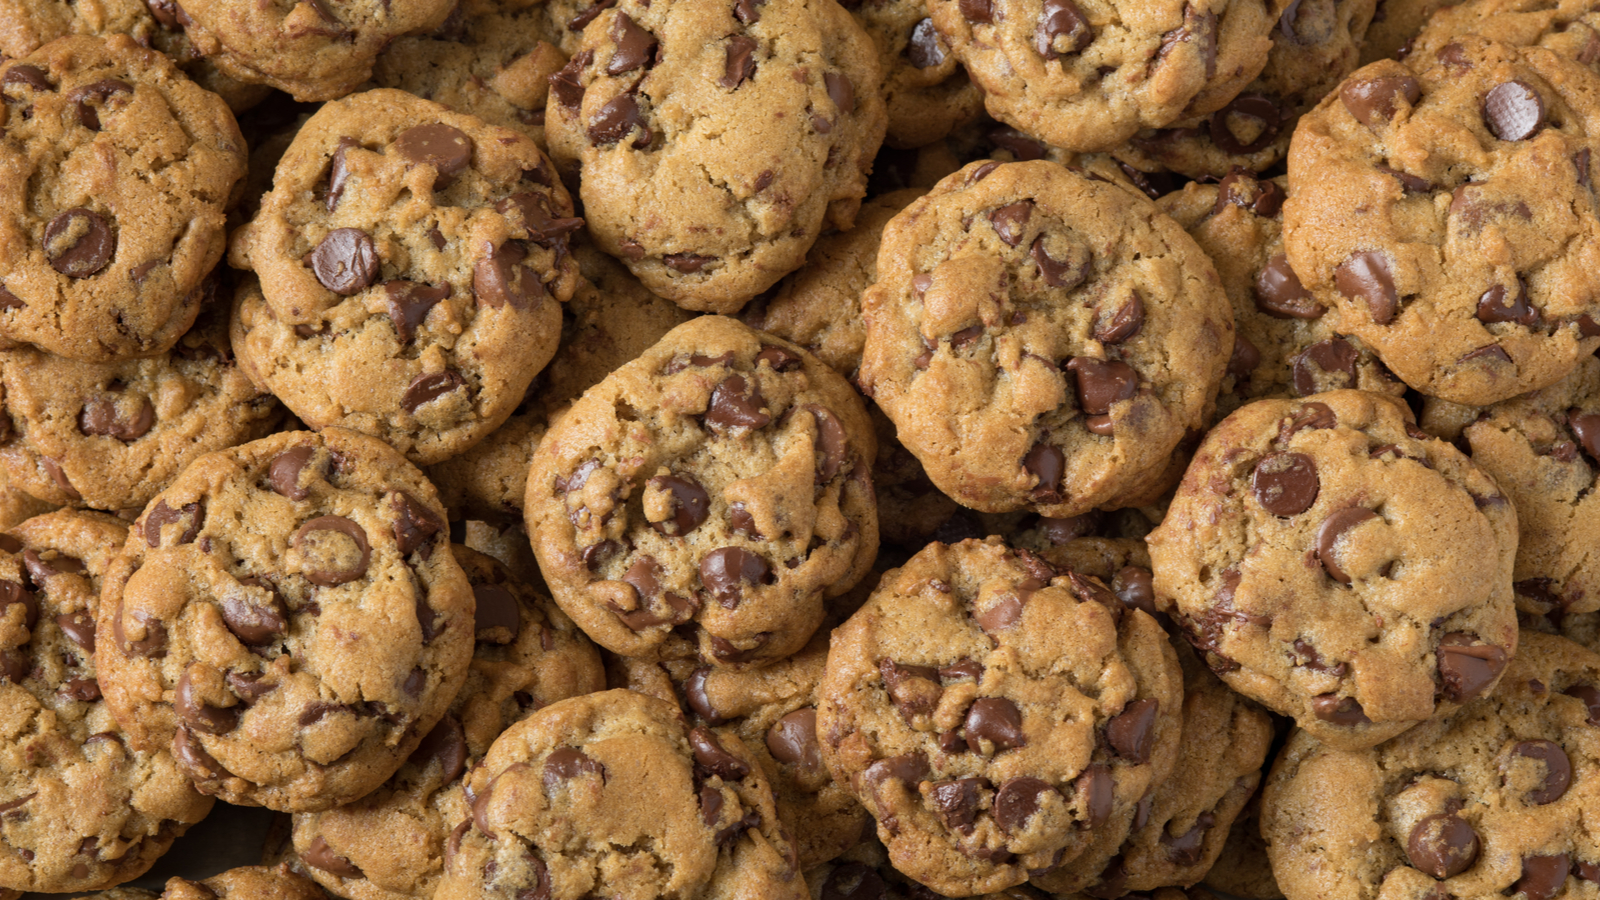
1470	270
911	510
706	498
286	616
1041	339
1314	46
613	795
994	715
390	844
718	140
1570	28
82	808
1493	800
410	278
1395	24
110	435
1087	75
313	49
925	89
1337	564
114	172
246	883
1285	343
1243	870
819	307
492	59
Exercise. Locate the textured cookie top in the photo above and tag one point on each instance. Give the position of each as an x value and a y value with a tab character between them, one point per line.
83	809
114	171
1336	563
110	435
717	139
925	89
1086	75
1570	28
1493	799
1042	339
287	617
26	25
245	883
1470	267
992	714
556	810
720	481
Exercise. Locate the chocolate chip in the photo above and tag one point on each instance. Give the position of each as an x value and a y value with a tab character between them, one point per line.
726	571
1046	463
1313	414
249	686
1063	29
793	740
980	12
152	645
1494	306
85	690
1333	528
78	627
499	616
694	692
840	91
1336	710
1335	356
1557	770
736	403
1442	845
617	119
925	49
1542	876
1011	220
102	417
996	720
500	278
335	550
1514	111
254	619
98	92
320	856
1590	696
1285	484
201	766
426	388
1586	427
447	149
1017	800
539	219
415	525
409	304
1491	353
31	77
284	472
338	173
1005	612
854	881
565	84
1365	275
1198	28
447	743
1242	363
190	515
1280	294
346	261
741	63
956	802
1241	188
1101	383
1131	732
690	504
708	752
1123	324
1374	101
747	11
9	300
915	690
200	715
907	768
687	263
634	45
1188	849
79	242
53	469
1467	668
1267	112
567	763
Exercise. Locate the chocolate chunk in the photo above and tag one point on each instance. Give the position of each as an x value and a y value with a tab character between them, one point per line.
1333	528
907	768
1442	845
319	855
1542	876
447	743
1492	353
793	740
539	219
1586	427
1123	324
1313	414
1494	305
53	469
1188	849
1241	188
500	278
414	524
741	63
98	92
1267	111
1285	484
189	752
979	12
854	881
964	669
409	304
1058	274
1467	668
1375	101
1366	275
254	619
1557	770
1011	220
191	515
1590	696
1102	383
200	715
334	548
565	84
1005	612
1046	462
634	45
31	77
779	359
617	119
694	693
1063	29
1198	28
690	504
925	49
447	149
1336	710
499	615
78	627
426	388
1514	111
726	571
102	417
1412	184
1280	294
79	242
567	763
840	91
338	173
1335	356
956	802
1017	800
9	300
1131	733
832	445
85	690
915	690
996	720
1242	363
152	645
346	261
736	403
284	472
687	263
708	752
747	11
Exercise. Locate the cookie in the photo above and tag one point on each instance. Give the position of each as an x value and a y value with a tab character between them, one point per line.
117	170
1332	561
1243	870
1394	24
717	142
410	278
556	810
864	872
314	50
1087	76
925	90
1023	335
1570	29
287	618
389	845
993	714
1490	800
246	883
706	498
110	435
84	809
1286	344
1470	271
911	510
17	506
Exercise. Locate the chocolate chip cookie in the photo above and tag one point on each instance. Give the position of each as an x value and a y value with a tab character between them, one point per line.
1490	800
246	883
1470	269
1571	29
110	435
925	88
1394	24
287	618
1088	75
390	844
17	506
1334	562
718	140
118	169
412	263
556	810
706	498
994	714
1286	344
1243	870
1042	340
83	808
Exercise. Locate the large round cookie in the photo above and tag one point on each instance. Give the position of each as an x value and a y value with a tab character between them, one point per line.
1469	267
706	498
286	616
716	139
1042	339
83	809
994	715
1332	561
110	435
1492	800
114	173
613	795
390	844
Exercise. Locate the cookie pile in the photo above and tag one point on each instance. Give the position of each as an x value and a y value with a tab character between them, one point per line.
711	448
